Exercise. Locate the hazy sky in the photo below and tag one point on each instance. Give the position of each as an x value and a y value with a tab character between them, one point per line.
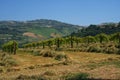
81	12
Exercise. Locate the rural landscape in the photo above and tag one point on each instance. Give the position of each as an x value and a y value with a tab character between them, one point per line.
83	54
59	40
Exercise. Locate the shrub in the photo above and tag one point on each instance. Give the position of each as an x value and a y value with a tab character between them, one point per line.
31	67
94	48
47	53
7	60
58	49
76	76
36	53
49	73
1	70
60	56
110	50
118	52
33	77
117	46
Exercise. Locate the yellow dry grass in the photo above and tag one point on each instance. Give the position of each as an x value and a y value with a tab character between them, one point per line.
26	60
98	65
86	57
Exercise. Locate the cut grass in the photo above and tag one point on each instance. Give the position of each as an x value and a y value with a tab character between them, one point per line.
96	65
76	76
26	60
82	62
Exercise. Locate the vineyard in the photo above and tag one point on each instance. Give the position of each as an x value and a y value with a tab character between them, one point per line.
62	58
99	43
59	39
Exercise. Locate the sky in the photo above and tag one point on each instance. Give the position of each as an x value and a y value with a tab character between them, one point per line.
79	12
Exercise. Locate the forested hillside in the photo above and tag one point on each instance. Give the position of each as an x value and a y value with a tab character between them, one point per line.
92	30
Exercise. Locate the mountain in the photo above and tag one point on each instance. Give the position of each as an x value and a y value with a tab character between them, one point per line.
34	30
92	30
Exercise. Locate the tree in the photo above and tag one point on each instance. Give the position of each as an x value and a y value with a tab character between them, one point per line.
57	42
50	42
71	41
116	37
89	39
15	47
77	40
10	47
43	44
102	38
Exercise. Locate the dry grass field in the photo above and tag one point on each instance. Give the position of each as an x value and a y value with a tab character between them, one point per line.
96	65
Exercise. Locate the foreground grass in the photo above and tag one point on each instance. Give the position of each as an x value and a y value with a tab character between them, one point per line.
86	65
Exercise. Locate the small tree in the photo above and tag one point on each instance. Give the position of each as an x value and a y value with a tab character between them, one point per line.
89	39
102	38
116	37
43	44
57	42
71	38
10	47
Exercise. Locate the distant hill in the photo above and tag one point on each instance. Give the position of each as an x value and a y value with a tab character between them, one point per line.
92	30
34	30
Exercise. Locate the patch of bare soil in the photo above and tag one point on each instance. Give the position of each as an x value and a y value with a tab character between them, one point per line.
33	35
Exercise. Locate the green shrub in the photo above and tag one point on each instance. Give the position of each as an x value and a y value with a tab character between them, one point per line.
76	76
60	56
117	46
58	49
36	53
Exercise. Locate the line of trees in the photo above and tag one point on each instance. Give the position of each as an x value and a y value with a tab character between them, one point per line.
72	40
10	47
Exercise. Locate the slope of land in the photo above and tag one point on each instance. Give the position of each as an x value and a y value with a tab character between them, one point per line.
16	30
92	30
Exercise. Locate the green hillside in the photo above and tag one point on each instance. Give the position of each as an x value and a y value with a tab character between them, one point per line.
92	30
34	30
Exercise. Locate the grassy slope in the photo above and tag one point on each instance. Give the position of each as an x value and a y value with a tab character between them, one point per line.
44	31
98	65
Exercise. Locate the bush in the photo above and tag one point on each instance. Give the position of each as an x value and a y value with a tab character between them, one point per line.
47	53
117	46
7	60
1	70
76	76
36	53
110	50
60	56
94	48
118	52
33	77
49	73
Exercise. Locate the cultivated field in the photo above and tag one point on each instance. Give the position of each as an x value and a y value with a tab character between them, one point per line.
34	67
